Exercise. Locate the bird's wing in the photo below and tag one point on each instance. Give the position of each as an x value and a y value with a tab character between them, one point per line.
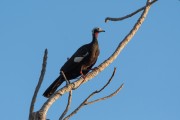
80	57
76	58
80	54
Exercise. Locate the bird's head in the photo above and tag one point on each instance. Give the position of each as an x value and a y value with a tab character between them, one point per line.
96	31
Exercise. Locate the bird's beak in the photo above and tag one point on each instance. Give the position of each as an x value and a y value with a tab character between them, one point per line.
101	30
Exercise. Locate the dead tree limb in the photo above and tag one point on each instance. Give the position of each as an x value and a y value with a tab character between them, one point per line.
85	102
31	114
129	15
69	98
106	97
67	81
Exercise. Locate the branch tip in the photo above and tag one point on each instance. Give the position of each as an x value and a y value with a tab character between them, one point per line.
130	15
43	70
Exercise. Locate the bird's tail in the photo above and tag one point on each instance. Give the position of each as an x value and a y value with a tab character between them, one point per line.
52	88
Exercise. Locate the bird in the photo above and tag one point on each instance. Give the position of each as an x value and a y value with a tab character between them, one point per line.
79	64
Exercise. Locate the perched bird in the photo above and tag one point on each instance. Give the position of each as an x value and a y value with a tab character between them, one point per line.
80	63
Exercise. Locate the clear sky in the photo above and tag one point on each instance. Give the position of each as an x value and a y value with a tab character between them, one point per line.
149	65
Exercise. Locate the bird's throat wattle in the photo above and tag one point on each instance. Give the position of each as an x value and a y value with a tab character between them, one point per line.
96	35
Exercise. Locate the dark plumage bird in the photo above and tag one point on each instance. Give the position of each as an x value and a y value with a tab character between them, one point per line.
80	63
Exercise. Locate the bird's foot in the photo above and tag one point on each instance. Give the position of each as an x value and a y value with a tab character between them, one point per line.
82	75
94	68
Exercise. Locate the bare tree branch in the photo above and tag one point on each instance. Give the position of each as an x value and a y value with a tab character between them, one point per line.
68	105
69	98
31	114
85	102
129	15
106	97
67	81
107	82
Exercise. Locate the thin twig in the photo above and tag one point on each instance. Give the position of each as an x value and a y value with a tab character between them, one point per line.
86	100
108	81
68	105
78	108
106	97
69	98
129	15
67	81
39	84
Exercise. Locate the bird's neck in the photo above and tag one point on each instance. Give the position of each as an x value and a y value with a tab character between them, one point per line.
95	37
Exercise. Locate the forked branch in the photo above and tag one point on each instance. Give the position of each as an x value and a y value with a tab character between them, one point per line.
85	102
106	97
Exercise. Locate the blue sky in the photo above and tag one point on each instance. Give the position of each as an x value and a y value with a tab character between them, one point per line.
149	65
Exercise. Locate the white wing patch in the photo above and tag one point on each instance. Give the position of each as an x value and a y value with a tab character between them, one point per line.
79	59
